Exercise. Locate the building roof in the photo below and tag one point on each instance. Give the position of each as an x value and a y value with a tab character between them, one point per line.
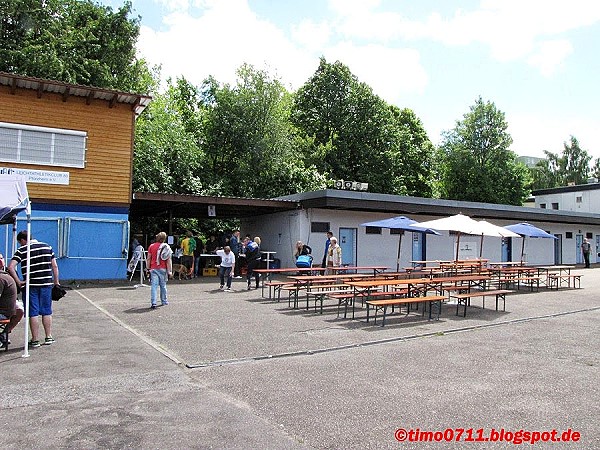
138	102
396	205
145	204
563	189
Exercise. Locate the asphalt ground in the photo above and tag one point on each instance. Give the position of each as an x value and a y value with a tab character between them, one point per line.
233	370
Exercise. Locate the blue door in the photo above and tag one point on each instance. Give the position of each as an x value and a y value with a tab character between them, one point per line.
347	241
418	247
506	249
578	252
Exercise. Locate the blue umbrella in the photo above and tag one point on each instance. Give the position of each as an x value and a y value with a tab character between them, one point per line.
526	229
399	223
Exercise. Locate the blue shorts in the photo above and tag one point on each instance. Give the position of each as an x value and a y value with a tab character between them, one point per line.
40	301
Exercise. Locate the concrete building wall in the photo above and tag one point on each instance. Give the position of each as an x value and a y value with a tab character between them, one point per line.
280	231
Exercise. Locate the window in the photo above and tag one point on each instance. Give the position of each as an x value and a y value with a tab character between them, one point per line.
589	235
569	235
396	231
578	199
554	205
373	230
319	227
41	145
543	205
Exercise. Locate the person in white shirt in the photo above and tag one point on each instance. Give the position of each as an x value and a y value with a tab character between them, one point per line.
227	266
334	255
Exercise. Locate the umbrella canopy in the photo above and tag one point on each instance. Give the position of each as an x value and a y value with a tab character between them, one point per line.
399	223
14	198
525	229
458	223
489	229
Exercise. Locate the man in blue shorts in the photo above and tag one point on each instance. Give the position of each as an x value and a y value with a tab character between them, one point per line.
43	275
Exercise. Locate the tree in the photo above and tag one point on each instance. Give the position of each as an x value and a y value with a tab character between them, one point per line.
572	167
249	140
476	163
74	41
167	157
357	136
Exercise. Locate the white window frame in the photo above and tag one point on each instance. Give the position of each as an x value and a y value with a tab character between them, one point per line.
79	151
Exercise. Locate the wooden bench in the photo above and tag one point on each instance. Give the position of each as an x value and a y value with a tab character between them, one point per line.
463	299
555	281
516	281
275	288
348	297
382	305
320	292
4	333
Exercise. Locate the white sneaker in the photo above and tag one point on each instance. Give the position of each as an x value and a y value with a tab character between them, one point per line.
238	277
221	288
228	290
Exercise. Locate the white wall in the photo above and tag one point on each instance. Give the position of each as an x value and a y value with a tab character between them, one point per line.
279	232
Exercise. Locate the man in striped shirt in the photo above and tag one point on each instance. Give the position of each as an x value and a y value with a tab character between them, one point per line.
43	275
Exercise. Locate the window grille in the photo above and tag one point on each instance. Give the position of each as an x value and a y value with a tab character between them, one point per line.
41	145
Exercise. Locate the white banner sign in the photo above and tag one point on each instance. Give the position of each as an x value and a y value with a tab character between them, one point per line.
38	176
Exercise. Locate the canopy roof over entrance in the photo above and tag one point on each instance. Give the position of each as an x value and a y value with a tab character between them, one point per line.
146	204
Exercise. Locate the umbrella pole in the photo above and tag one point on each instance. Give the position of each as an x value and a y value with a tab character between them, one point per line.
398	258
522	250
457	245
481	246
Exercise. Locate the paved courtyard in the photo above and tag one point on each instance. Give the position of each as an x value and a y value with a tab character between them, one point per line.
233	370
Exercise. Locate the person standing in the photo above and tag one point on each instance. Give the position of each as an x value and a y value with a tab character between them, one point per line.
253	260
226	267
327	242
235	245
188	245
43	275
161	268
334	255
586	248
10	307
198	266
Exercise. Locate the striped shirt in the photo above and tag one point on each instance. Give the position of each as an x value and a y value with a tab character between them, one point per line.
41	263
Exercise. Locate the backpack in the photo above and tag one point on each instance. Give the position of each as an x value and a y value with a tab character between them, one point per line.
164	252
304	261
192	244
252	251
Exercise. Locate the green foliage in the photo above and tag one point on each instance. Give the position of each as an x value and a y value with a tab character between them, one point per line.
74	41
476	163
573	166
356	136
167	157
249	139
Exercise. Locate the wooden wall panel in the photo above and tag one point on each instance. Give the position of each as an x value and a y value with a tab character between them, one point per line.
107	175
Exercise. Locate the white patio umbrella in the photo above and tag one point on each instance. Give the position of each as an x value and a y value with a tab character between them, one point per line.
458	223
489	229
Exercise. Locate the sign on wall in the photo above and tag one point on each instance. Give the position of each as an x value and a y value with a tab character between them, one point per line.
38	176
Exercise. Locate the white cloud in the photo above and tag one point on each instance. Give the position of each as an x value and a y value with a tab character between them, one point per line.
218	42
549	55
311	35
389	71
534	133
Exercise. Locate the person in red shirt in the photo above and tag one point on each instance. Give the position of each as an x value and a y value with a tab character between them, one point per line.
161	268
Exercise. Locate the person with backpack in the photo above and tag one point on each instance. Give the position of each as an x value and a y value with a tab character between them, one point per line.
302	255
161	268
253	260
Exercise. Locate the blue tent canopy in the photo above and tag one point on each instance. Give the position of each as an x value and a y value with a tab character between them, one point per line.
399	223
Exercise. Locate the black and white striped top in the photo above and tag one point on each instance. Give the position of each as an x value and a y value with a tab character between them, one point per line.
41	263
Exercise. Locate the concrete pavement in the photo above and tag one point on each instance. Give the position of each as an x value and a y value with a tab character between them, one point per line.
233	370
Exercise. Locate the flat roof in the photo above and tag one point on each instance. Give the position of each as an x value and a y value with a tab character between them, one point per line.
145	204
574	188
138	102
398	205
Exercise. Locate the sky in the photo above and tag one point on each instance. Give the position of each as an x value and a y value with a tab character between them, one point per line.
536	60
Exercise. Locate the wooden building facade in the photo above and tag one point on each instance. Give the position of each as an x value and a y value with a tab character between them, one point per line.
74	146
